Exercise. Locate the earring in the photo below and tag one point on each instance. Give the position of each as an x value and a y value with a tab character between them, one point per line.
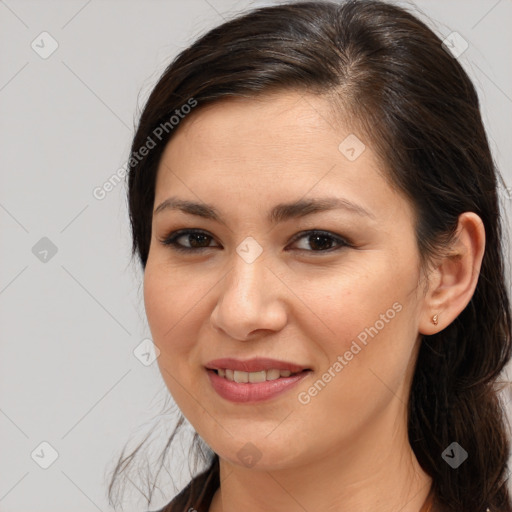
435	319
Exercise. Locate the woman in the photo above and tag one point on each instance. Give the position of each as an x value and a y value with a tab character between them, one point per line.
314	204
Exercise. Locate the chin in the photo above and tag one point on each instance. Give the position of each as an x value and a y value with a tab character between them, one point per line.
259	454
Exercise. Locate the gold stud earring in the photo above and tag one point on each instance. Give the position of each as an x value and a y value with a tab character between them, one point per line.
435	319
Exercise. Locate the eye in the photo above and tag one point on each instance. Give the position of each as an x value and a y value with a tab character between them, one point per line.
322	241
195	237
318	241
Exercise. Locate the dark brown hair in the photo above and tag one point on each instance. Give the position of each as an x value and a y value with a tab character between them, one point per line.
388	73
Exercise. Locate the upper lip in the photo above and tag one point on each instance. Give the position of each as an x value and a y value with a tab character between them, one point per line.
256	364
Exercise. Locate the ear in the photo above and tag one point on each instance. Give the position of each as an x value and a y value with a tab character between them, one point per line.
453	281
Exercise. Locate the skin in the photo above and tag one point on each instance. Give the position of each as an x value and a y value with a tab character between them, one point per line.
297	304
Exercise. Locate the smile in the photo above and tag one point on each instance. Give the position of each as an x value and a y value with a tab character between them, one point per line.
253	377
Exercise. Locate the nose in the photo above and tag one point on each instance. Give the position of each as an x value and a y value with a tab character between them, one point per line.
250	300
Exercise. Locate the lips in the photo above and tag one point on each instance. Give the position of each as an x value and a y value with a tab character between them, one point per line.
253	380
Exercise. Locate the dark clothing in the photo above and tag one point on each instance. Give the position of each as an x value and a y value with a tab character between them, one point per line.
198	494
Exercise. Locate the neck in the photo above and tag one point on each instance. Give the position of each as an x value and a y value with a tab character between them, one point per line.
378	471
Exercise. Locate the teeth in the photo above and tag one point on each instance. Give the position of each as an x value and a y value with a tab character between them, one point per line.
241	376
262	376
273	374
258	376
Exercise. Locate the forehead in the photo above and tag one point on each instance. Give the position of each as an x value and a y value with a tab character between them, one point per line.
281	146
278	134
277	121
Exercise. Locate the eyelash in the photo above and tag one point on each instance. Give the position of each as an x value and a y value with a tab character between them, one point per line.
171	240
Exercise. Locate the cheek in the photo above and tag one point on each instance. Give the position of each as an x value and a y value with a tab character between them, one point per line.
167	304
371	326
157	297
178	302
352	302
169	311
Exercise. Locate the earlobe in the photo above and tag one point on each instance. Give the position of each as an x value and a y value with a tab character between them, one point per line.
455	277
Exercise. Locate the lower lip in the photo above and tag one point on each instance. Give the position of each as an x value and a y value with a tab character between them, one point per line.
253	392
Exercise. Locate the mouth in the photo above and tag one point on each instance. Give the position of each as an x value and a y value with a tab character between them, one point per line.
254	380
255	377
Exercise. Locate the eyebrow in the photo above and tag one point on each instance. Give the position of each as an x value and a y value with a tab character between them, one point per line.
279	213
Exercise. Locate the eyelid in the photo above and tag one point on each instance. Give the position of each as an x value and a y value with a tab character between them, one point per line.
170	239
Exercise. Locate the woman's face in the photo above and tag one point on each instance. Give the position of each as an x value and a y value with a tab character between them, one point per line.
343	305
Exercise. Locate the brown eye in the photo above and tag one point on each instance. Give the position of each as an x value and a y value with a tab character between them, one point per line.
321	241
197	240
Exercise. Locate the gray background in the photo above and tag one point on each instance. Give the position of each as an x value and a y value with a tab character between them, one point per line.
70	321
